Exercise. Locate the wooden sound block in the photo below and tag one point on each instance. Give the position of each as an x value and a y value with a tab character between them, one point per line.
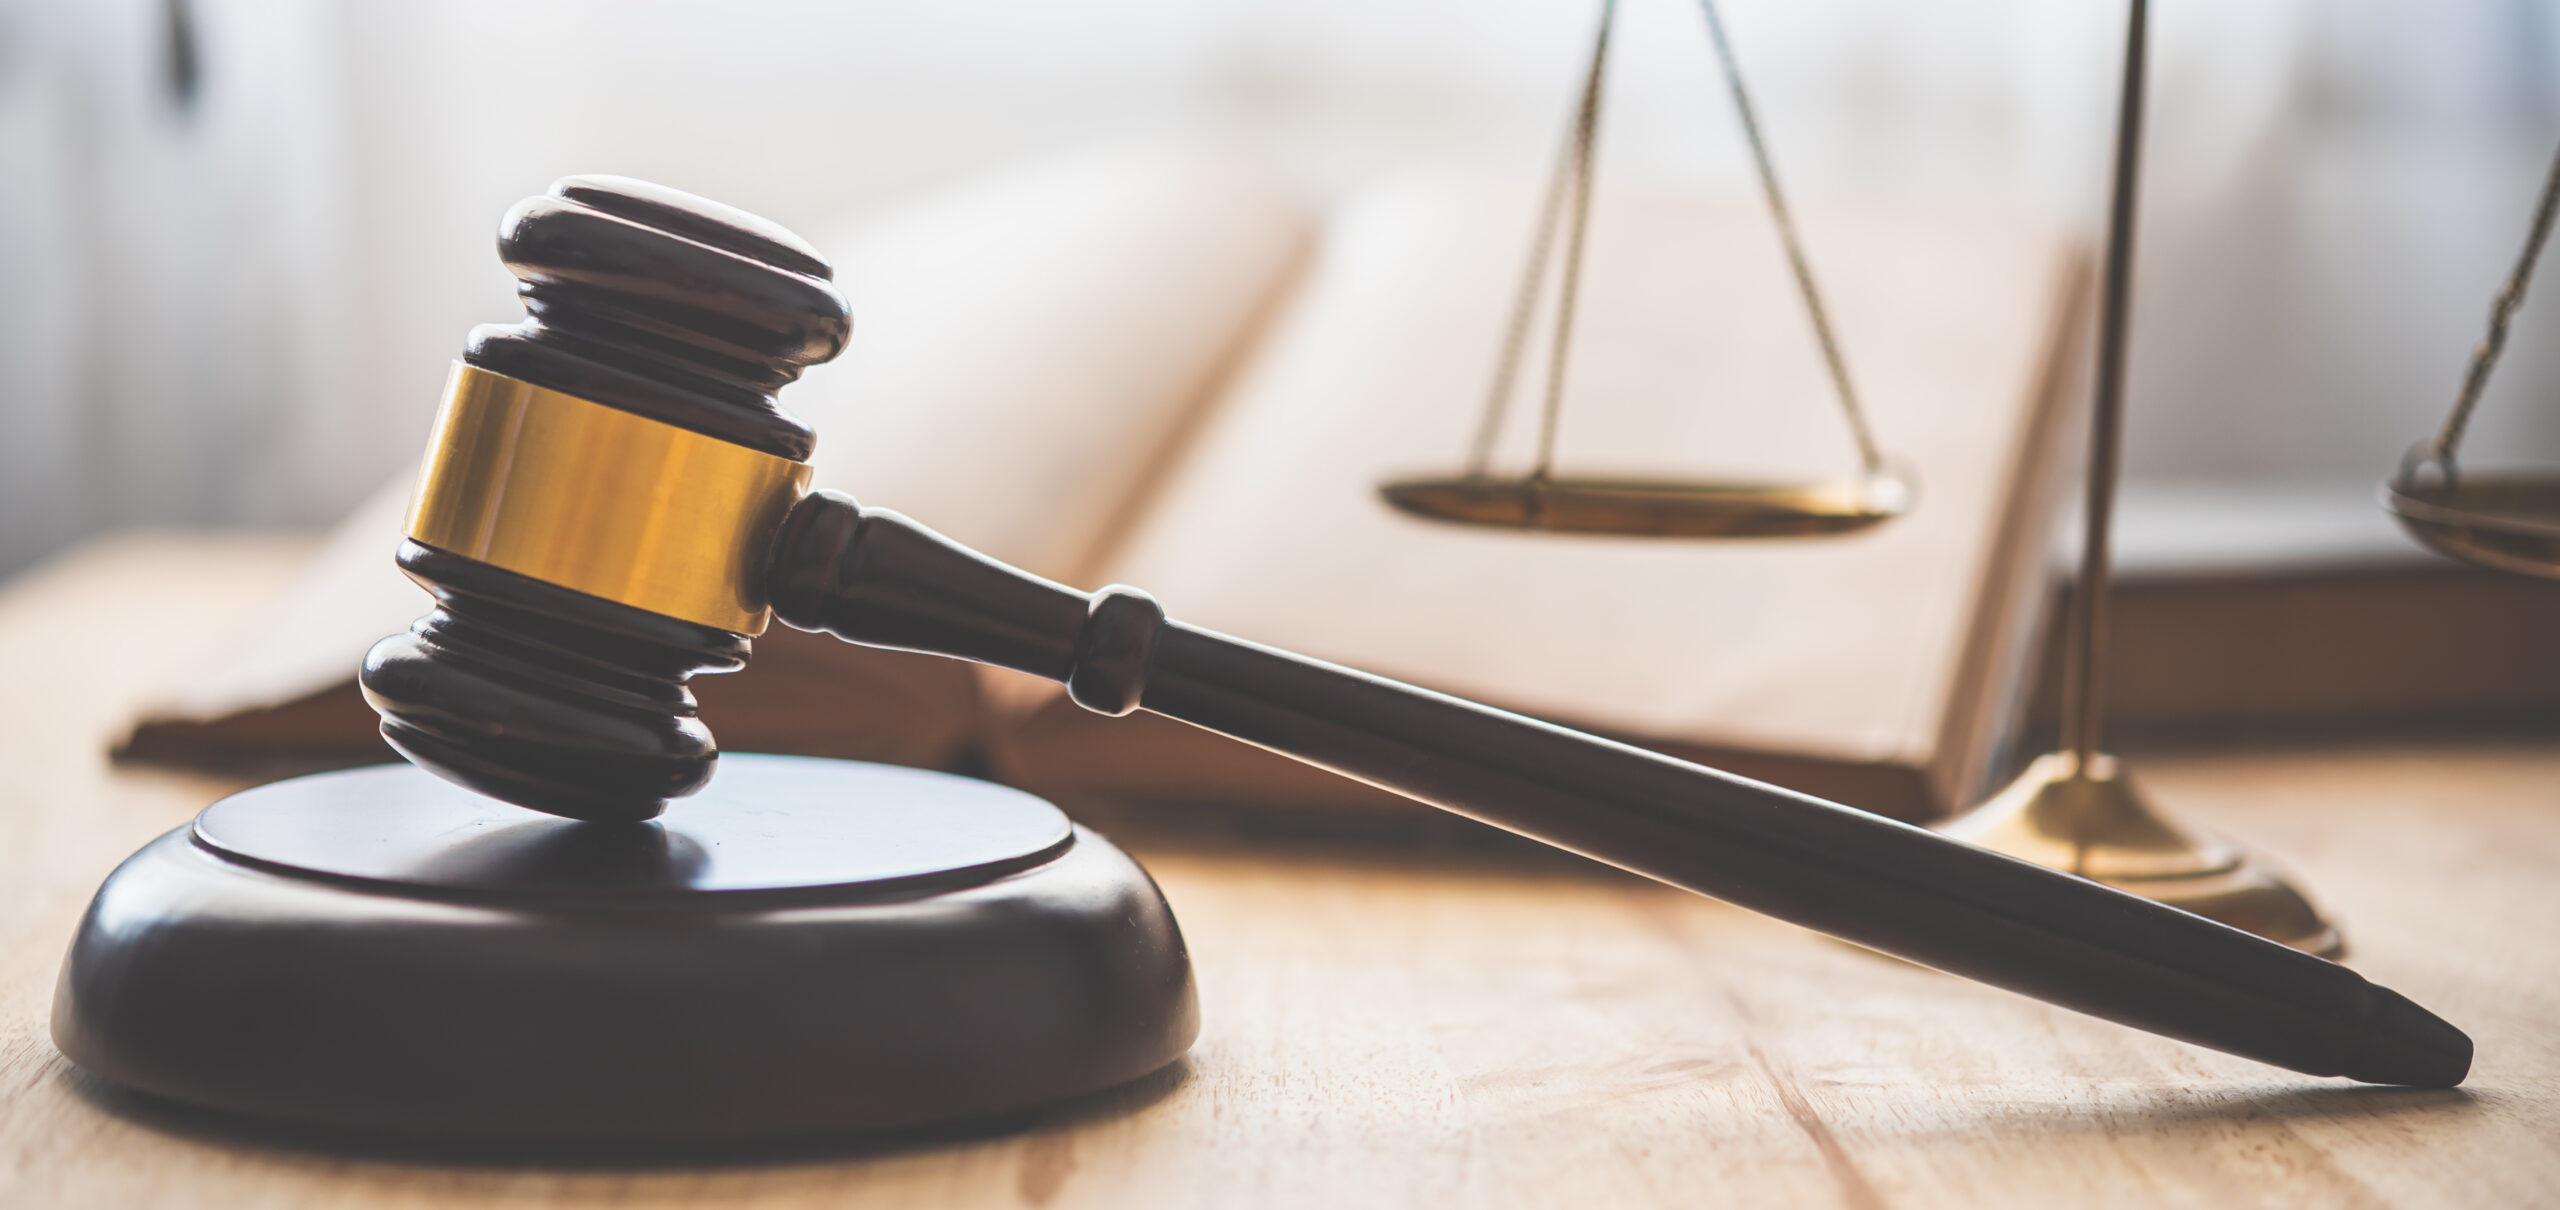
807	947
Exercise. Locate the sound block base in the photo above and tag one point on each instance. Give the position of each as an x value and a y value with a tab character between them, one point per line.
809	947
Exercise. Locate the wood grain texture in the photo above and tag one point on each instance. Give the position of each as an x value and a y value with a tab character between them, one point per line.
1397	1030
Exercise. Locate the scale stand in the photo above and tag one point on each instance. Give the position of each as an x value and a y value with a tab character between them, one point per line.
2077	809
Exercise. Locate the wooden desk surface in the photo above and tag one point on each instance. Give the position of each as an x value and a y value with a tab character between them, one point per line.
1453	1032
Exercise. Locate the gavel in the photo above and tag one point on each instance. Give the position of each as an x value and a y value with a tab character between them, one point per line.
613	501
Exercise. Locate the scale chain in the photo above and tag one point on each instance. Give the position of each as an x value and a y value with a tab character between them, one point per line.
1533	276
2484	356
1586	134
1868	456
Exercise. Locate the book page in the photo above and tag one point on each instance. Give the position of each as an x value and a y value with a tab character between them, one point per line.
1693	357
1026	349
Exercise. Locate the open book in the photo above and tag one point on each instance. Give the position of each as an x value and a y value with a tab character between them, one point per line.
1154	367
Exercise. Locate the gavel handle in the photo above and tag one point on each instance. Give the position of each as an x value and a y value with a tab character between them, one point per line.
878	578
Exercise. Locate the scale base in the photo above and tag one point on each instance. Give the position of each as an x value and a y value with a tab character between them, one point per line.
809	947
2096	823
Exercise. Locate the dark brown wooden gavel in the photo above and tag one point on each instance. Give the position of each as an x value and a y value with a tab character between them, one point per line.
613	501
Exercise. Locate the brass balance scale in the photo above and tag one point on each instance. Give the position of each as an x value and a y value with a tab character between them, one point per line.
1540	500
2075	809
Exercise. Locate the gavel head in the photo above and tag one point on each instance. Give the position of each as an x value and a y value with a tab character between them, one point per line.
599	499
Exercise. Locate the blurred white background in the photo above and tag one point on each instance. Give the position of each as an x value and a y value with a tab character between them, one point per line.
241	239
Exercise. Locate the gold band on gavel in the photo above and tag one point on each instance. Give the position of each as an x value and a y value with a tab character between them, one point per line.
574	493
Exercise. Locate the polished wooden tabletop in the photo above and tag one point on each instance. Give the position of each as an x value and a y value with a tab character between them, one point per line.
1387	1028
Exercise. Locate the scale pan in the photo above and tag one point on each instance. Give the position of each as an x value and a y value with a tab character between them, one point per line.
2508	522
1652	508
